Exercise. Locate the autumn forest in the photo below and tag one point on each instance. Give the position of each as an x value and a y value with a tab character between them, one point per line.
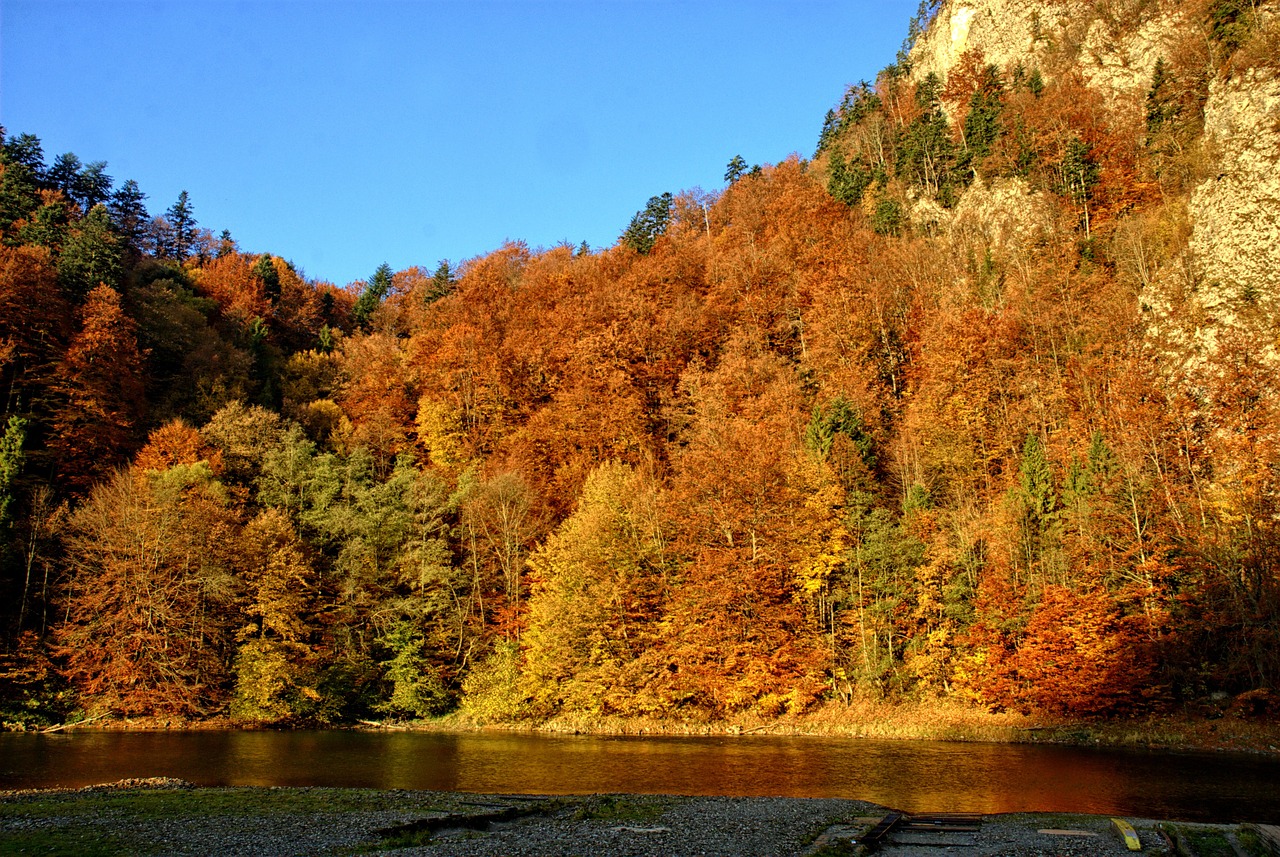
928	414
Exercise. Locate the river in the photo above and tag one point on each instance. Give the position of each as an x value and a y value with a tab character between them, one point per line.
906	775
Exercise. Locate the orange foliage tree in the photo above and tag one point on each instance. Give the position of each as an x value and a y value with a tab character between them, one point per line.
151	600
101	391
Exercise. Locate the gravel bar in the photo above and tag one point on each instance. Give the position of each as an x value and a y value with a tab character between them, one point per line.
168	817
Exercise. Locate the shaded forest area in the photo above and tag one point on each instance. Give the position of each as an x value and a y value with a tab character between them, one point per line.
821	435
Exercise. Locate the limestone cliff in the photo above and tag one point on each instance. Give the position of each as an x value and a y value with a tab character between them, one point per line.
1229	261
1114	45
1235	211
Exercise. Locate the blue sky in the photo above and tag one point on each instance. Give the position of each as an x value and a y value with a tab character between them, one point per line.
343	134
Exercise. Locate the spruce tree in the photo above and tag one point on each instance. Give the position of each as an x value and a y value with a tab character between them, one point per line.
64	173
370	299
443	282
92	186
735	170
264	270
90	256
648	224
26	150
129	215
183	224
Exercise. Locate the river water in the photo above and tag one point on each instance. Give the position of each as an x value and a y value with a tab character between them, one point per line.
914	776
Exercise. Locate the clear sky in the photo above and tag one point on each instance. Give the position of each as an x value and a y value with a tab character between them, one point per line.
343	134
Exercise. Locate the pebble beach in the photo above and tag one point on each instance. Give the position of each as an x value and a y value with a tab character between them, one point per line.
170	817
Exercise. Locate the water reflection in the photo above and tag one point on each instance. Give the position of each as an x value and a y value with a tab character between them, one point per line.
913	776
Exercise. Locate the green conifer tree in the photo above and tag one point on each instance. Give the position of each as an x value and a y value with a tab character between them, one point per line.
648	224
183	226
264	270
371	298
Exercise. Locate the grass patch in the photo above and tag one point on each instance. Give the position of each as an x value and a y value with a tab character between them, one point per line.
463	821
1251	842
143	804
839	848
846	844
621	808
1211	842
406	839
75	841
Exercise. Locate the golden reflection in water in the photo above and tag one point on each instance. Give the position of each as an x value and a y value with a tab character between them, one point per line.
911	776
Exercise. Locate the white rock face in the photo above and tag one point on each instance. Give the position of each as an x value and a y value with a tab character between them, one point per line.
1004	31
1235	214
1122	65
1115	53
1006	216
1003	220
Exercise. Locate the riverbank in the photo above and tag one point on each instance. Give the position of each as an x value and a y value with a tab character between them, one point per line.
172	817
923	721
1210	730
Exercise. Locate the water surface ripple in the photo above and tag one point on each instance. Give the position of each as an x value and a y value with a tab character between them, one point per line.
906	775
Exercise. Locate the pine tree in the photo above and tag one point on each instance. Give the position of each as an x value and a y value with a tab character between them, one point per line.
982	125
264	270
90	255
129	215
25	150
926	156
443	281
372	296
11	461
848	181
649	224
183	226
830	127
1037	502
64	173
1162	104
735	170
92	186
22	177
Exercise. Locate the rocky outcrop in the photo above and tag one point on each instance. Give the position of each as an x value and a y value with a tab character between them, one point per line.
1235	212
1005	218
1114	45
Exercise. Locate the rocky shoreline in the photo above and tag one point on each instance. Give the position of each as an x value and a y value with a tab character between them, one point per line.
171	817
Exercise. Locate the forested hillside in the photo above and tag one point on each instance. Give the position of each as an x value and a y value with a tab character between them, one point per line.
942	411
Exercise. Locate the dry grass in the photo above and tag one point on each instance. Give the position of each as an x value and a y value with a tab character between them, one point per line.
932	720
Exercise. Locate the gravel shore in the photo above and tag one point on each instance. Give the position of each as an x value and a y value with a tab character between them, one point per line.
173	818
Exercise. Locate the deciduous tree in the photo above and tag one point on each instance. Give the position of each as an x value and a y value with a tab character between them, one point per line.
151	596
100	390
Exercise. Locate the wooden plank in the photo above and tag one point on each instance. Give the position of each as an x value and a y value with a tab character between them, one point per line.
1127	834
1268	835
939	828
881	830
947	816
